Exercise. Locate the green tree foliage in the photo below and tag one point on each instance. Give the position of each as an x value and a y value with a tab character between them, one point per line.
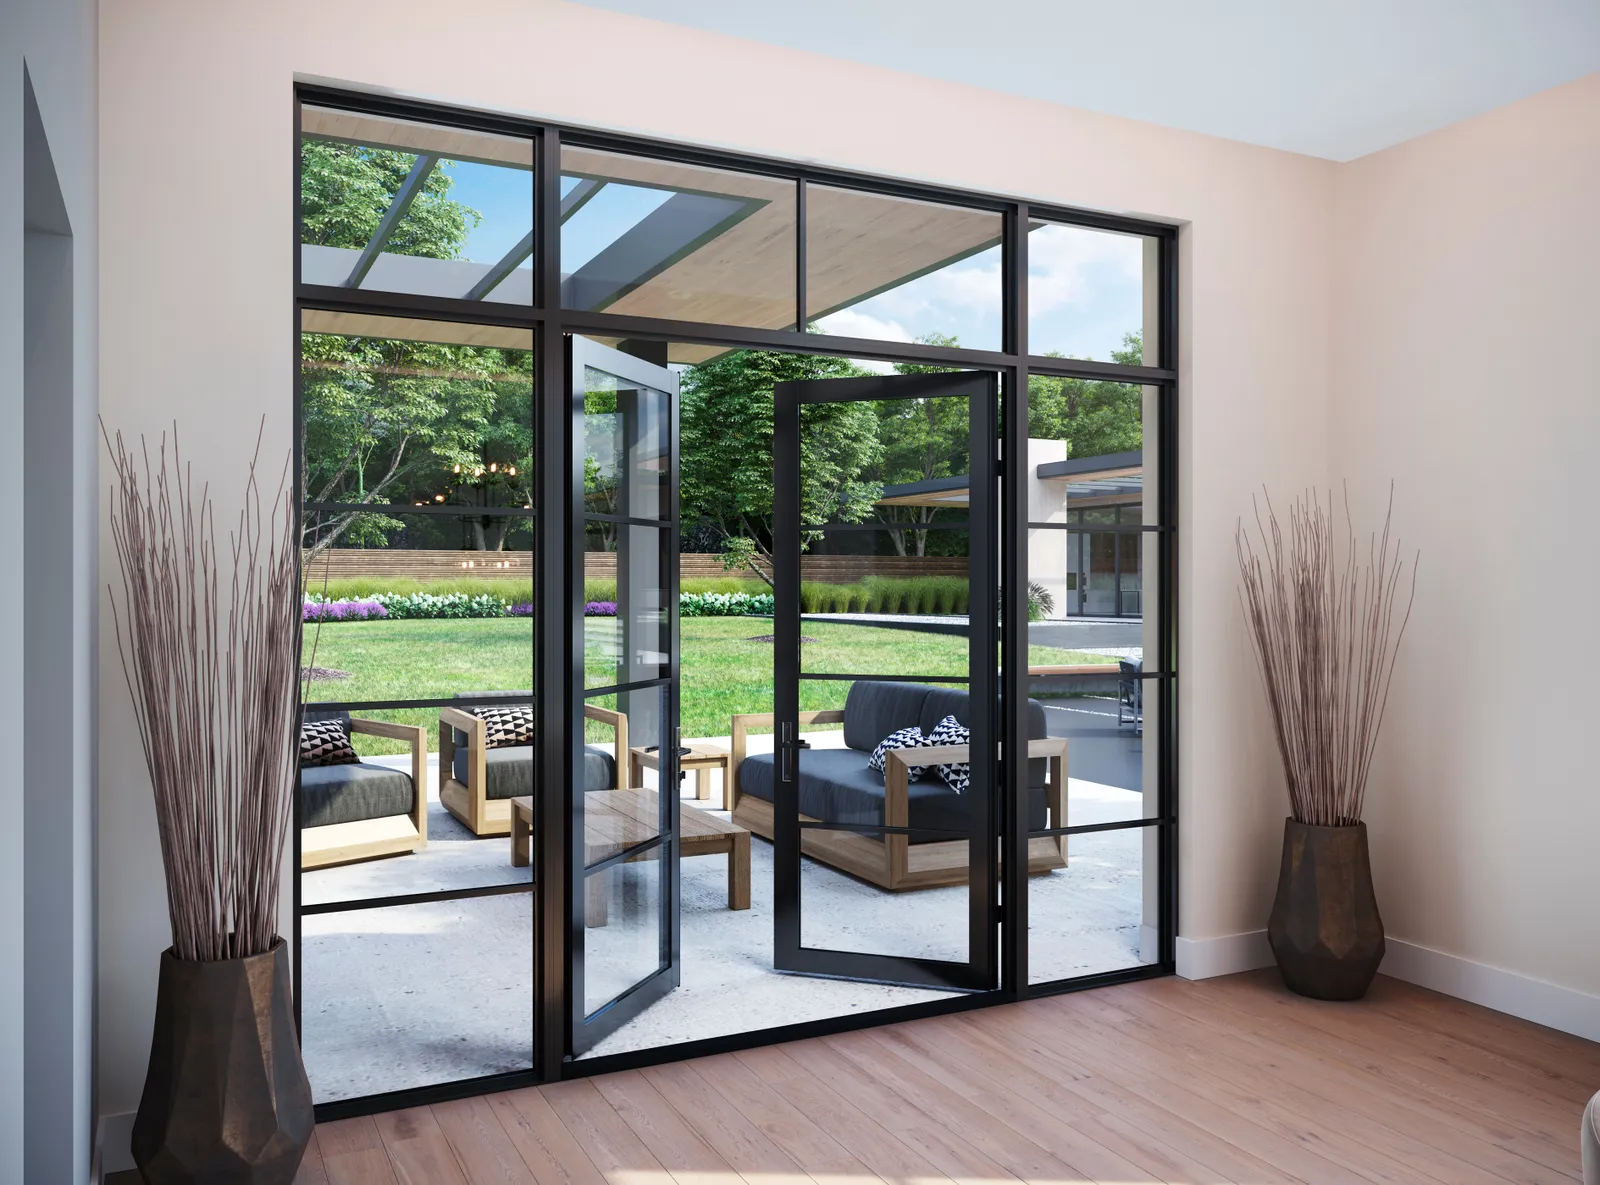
1094	417
392	421
725	439
922	439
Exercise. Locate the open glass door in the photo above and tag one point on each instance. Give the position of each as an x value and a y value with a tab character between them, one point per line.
891	875
623	855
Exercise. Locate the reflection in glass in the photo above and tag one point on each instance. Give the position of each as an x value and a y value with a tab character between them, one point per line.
382	994
1091	293
422	413
656	238
899	270
622	927
618	812
1100	912
393	205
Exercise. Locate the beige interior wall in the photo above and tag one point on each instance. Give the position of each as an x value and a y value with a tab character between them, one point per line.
1465	313
197	147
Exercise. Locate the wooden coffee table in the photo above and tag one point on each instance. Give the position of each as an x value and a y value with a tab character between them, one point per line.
616	820
702	759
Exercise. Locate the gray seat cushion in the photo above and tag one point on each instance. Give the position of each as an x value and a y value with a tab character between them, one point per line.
508	773
351	793
872	710
836	786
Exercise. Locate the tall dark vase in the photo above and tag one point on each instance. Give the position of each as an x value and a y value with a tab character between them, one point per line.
1325	930
226	1100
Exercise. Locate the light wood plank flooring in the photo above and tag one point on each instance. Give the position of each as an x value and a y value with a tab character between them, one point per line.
1223	1080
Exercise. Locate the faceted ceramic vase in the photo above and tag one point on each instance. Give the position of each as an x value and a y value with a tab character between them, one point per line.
1325	930
226	1100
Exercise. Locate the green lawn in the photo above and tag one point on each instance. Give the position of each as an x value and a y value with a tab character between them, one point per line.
722	670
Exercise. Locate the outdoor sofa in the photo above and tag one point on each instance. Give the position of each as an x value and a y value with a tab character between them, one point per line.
361	810
477	783
836	785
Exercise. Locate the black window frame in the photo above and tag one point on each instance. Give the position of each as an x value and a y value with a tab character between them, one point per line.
553	520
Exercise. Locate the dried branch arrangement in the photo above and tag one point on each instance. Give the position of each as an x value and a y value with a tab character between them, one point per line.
1326	630
216	700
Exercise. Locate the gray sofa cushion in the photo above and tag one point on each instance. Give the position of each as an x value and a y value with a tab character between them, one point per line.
872	710
951	701
508	773
350	793
837	787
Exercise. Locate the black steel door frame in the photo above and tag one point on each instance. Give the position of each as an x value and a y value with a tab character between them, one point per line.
981	971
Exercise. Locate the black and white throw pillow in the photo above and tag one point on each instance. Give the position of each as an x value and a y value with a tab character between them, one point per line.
325	742
957	775
506	725
904	738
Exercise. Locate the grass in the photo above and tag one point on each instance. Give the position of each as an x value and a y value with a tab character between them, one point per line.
721	670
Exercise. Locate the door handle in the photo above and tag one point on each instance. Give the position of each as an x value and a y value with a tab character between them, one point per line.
788	744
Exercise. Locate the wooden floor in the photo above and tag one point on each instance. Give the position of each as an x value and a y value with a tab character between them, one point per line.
1222	1080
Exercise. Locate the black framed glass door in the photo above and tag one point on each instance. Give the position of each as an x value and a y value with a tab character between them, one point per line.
623	866
917	843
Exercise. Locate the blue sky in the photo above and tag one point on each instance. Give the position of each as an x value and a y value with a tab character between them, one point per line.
1085	286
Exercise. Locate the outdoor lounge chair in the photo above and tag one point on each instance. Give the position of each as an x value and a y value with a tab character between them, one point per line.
837	785
356	812
477	783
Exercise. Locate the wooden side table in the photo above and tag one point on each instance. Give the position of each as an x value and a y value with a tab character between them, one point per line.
702	759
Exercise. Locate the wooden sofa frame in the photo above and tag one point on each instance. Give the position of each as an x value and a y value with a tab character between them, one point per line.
392	835
470	803
893	862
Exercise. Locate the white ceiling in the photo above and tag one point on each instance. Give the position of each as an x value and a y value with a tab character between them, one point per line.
1332	78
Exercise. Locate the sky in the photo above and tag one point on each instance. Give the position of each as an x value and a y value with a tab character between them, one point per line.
1085	287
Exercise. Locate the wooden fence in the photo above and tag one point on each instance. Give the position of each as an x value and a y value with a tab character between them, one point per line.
370	563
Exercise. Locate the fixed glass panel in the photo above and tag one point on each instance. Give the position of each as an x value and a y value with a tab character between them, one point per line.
899	270
842	913
1092	294
404	606
655	238
1101	718
1098	913
403	411
394	205
385	994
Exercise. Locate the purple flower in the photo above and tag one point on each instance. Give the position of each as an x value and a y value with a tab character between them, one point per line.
600	609
343	611
524	609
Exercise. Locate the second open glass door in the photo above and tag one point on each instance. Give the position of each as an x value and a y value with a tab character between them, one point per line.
886	875
623	887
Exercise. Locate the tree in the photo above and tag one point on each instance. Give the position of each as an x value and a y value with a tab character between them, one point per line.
1093	416
922	439
393	421
725	438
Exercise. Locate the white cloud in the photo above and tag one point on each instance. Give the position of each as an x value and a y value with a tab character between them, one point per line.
1070	265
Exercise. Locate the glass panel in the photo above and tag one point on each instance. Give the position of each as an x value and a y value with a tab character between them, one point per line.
622	736
1099	913
408	996
839	912
626	637
622	927
626	429
392	205
655	238
1092	294
898	270
1099	718
405	606
411	412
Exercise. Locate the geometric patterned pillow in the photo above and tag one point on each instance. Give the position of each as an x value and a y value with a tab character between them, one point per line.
506	725
905	738
325	742
957	774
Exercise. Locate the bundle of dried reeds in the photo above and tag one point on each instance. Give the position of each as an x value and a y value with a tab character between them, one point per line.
215	700
1326	631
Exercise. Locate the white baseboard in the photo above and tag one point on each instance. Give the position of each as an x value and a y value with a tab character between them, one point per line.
1548	1004
1205	958
114	1145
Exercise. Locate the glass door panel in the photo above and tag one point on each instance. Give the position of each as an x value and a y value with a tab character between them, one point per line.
622	915
916	842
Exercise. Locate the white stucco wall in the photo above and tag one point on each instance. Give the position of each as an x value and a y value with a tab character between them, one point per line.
197	147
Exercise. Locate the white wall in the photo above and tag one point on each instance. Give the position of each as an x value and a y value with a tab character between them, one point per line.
1466	309
197	144
46	849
